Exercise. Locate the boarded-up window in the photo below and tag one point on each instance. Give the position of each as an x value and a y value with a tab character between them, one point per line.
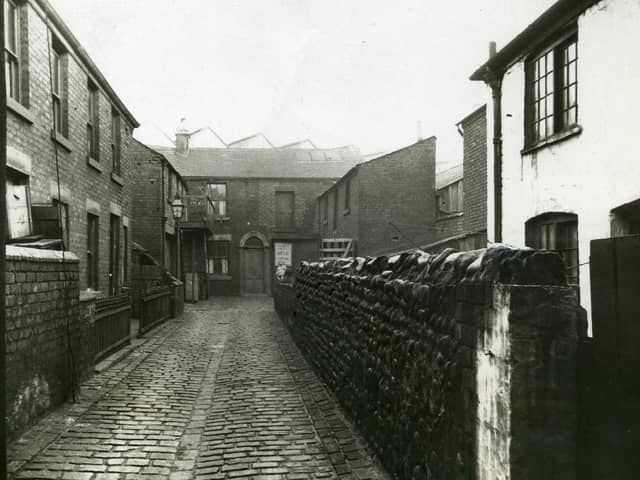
218	258
284	210
18	204
450	199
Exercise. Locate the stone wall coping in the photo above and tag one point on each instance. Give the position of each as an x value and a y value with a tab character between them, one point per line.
88	295
14	252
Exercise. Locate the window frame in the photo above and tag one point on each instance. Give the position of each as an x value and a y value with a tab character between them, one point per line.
569	222
13	62
347	196
290	221
116	147
219	201
59	94
93	121
554	94
213	255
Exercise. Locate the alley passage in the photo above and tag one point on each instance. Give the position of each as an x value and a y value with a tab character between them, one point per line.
222	392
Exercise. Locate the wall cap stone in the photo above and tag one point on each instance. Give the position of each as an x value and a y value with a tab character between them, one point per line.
14	252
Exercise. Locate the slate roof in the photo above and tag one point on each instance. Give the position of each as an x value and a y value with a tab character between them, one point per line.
258	140
263	162
448	176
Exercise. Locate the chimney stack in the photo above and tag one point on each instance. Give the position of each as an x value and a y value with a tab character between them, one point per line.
492	49
182	138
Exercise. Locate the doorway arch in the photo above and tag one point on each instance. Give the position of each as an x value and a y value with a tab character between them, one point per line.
254	263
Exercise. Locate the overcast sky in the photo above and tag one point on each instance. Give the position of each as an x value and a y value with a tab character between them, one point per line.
361	72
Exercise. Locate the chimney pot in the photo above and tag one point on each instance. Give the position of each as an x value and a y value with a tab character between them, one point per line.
492	49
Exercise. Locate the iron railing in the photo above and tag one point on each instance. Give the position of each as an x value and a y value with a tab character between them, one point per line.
113	324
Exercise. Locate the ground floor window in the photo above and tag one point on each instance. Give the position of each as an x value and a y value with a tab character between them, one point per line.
218	261
625	220
558	232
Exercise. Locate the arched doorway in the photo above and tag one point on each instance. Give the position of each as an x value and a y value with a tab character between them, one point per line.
253	259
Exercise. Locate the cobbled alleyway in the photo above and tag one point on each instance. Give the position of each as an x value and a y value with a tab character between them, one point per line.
221	393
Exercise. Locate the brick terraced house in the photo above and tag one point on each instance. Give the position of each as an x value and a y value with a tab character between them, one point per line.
264	204
382	205
157	183
69	175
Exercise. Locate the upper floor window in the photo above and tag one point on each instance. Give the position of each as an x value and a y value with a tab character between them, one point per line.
12	46
218	194
450	199
558	232
93	121
285	210
347	196
115	141
335	208
59	63
552	91
324	208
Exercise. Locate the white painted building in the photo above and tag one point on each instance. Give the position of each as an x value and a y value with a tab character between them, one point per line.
565	157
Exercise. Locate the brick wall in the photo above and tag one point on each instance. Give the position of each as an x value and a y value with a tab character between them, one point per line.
442	368
393	205
251	207
29	129
475	170
41	301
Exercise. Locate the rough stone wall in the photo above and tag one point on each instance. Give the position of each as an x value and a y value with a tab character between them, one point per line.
42	306
399	341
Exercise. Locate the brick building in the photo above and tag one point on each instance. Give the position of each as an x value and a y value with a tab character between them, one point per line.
264	202
157	183
461	191
69	175
382	205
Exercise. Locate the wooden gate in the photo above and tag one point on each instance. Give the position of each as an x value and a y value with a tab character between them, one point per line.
610	370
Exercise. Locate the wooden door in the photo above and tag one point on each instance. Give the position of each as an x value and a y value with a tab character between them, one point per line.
254	270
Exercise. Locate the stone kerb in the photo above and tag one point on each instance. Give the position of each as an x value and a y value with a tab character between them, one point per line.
443	359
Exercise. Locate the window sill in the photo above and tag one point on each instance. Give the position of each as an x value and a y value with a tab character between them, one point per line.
20	110
94	164
222	219
346	211
449	216
555	138
117	179
62	141
221	277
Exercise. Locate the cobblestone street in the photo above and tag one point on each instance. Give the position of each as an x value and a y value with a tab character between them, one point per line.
222	392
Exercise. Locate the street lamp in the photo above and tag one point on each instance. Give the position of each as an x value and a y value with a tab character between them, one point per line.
177	209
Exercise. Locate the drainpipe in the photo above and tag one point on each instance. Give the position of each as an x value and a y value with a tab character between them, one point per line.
3	226
162	211
494	80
